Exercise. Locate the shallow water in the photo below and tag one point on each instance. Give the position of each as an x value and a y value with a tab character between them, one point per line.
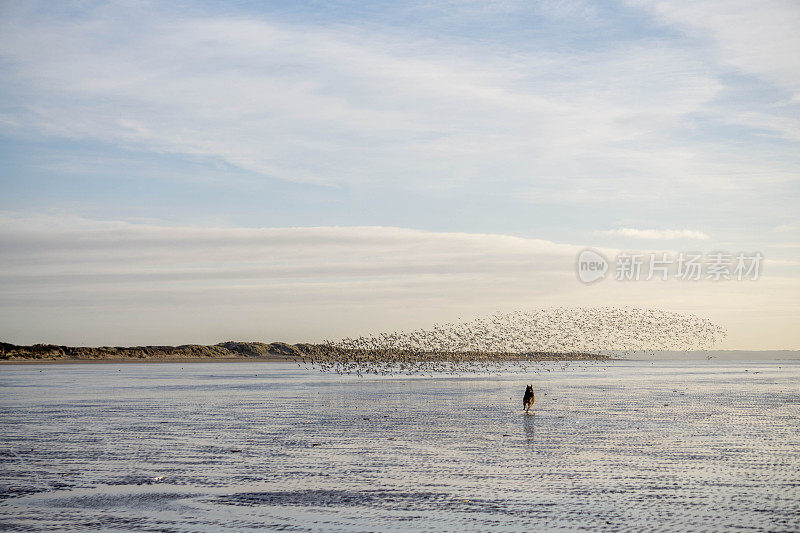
619	446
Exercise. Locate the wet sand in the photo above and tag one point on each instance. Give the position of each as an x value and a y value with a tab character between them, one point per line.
617	446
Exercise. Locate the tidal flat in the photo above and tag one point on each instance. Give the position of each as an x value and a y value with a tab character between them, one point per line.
613	445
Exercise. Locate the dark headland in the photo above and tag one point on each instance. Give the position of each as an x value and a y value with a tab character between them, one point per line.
259	351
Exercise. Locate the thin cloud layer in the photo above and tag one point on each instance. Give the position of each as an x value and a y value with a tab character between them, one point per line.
654	234
92	251
74	280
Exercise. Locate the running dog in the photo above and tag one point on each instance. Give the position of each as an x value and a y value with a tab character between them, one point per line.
528	399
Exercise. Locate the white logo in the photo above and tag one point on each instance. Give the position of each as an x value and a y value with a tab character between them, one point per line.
591	266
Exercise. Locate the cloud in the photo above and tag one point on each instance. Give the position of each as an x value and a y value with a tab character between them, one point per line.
787	228
757	40
686	121
44	256
760	39
253	282
81	281
653	234
388	107
349	107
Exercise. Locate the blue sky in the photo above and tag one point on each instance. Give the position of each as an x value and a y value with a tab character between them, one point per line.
604	124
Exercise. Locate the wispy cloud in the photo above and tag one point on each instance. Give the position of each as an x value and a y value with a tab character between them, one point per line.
656	234
756	38
368	105
324	105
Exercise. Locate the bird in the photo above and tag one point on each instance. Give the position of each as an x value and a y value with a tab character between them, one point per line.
519	338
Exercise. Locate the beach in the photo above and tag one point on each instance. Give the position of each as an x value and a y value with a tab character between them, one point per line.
616	445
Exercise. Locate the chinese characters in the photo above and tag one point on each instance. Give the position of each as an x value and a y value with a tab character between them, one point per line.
687	266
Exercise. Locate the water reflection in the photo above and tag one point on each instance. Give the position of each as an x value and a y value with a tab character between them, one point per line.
265	446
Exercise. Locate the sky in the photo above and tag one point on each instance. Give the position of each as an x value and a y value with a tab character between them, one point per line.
181	172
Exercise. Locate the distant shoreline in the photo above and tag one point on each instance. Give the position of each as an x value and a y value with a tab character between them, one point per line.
236	352
131	360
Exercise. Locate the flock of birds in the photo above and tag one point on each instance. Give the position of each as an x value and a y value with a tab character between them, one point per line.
519	339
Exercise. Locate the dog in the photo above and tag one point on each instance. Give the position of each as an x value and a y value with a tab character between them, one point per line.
528	399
